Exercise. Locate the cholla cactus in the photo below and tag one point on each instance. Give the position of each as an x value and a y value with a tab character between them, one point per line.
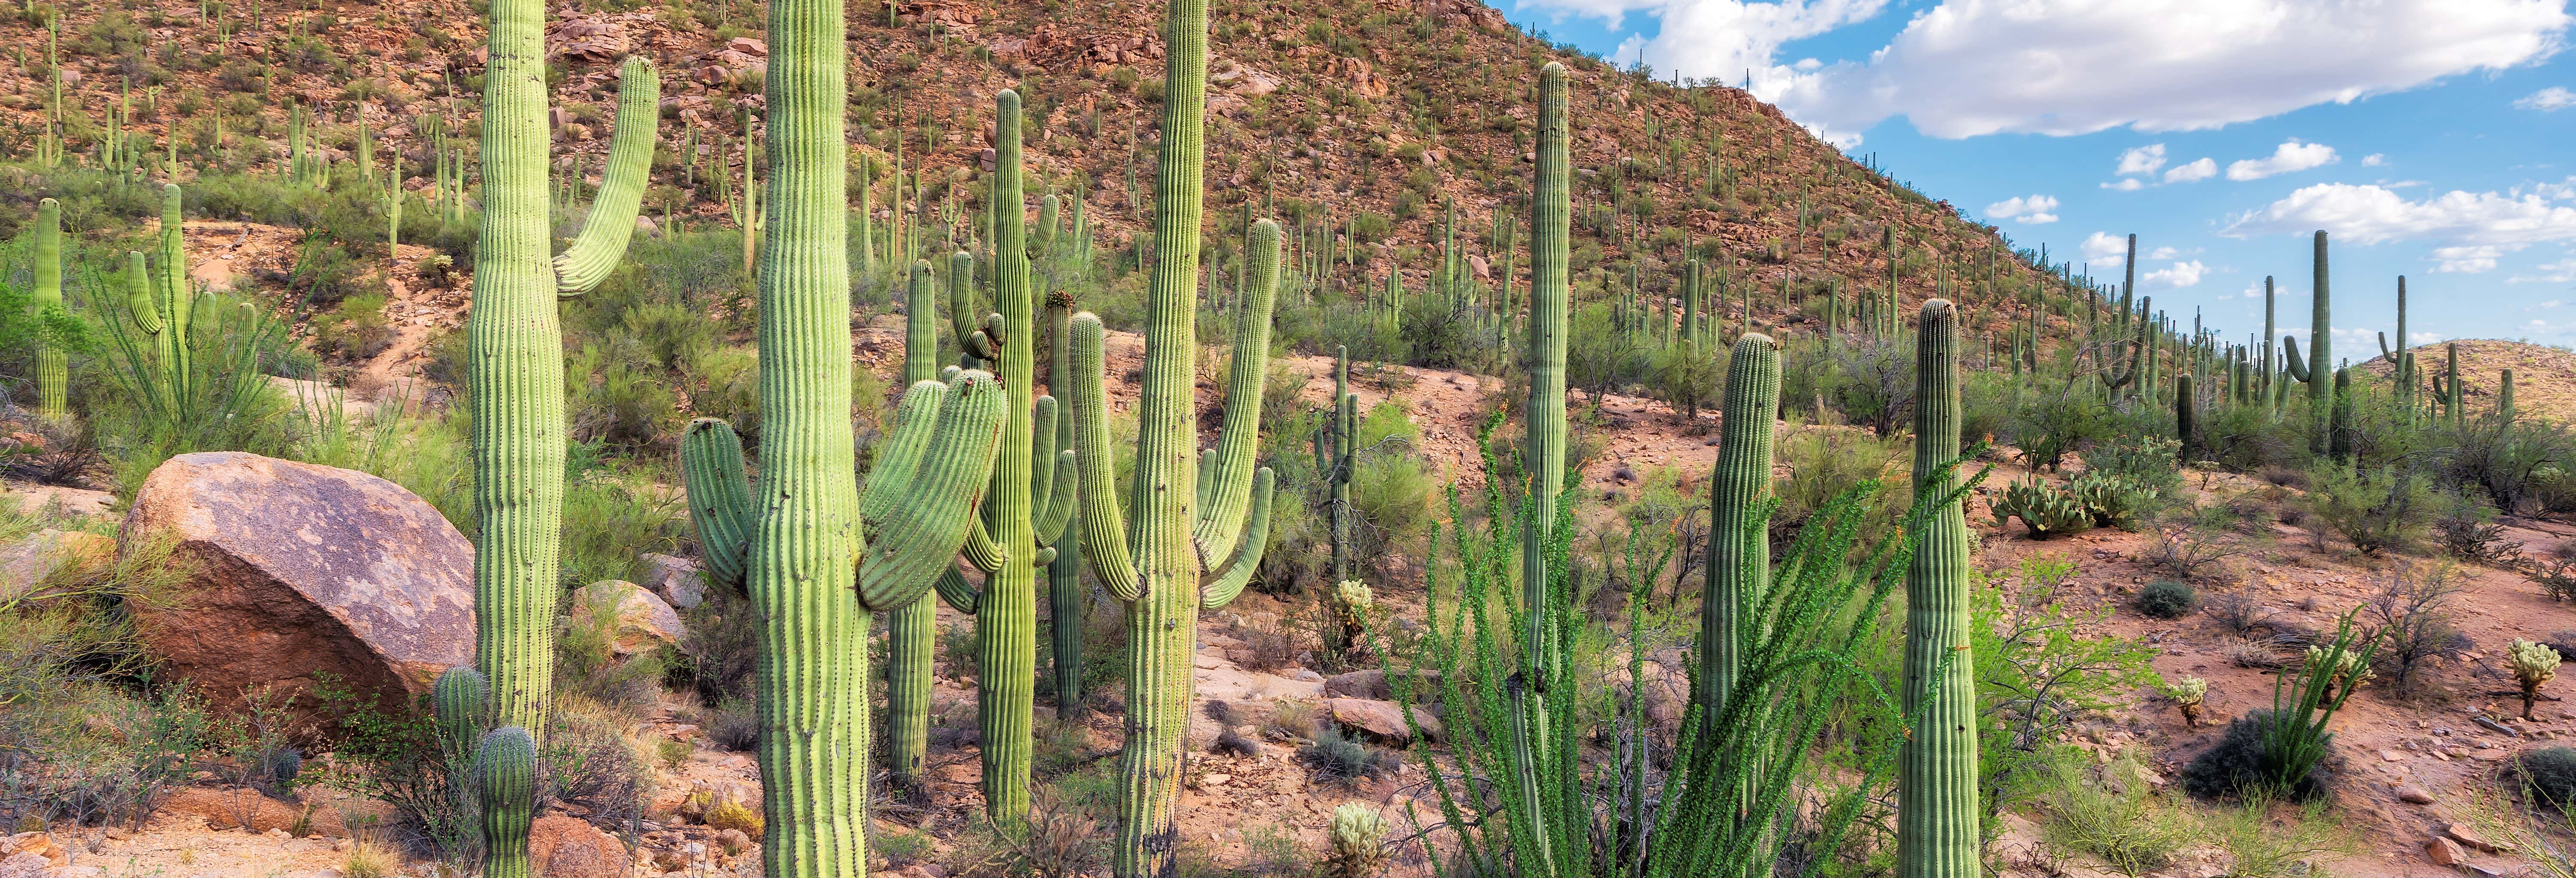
1351	601
2533	664
2349	672
1358	837
2187	694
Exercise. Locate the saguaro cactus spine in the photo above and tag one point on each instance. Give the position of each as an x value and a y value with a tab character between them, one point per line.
1937	834
1161	569
515	347
53	366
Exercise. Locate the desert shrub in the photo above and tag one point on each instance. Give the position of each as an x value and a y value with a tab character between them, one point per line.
2275	752
2246	438
2413	618
1339	758
2239	611
2374	509
2048	423
733	725
2466	529
959	651
1875	383
1451	332
2509	461
2166	599
2036	675
1986	401
2189	541
1601	355
2111	817
720	649
2237	763
1392	486
587	667
615	402
2549	773
613	513
1688	376
224	403
1823	464
2260	846
587	762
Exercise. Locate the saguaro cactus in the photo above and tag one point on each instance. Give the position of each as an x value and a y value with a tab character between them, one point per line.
1030	498
2319	365
1334	459
912	630
1739	554
2186	411
515	347
53	366
1937	835
1066	595
505	771
1192	545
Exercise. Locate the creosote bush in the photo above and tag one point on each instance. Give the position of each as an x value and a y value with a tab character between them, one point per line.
2550	774
2166	599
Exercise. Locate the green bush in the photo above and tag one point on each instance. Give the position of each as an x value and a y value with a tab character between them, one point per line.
2375	509
2051	421
2549	773
1392	485
2146	461
2166	599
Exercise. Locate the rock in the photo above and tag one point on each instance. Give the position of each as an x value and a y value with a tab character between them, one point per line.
567	847
70	501
1305	675
638	620
25	866
2392	756
2413	795
2460	832
2444	852
27	563
246	808
677	580
35	844
1380	719
302	569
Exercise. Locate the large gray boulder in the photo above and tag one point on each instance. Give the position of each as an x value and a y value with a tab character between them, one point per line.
298	570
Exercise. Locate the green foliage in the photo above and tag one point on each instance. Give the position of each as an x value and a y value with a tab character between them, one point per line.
2375	509
1392	485
2113	500
2275	752
223	401
2166	599
2549	773
2045	510
2148	462
2106	813
1824	464
2037	673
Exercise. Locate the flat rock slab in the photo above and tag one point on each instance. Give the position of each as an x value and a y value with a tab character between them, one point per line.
302	570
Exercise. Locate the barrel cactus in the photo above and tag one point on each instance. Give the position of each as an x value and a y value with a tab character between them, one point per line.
505	774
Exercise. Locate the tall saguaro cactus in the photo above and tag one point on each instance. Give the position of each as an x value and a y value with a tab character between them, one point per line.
515	346
912	630
1739	558
1937	835
1030	498
809	529
2318	368
1066	595
53	365
1191	545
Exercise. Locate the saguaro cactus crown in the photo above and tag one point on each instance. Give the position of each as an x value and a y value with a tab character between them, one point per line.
515	346
1937	834
1191	545
809	529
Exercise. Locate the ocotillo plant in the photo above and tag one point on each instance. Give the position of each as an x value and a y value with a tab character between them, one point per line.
1183	526
53	364
1030	498
515	348
1937	834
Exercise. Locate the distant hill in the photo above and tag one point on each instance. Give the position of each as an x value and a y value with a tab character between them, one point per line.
2544	378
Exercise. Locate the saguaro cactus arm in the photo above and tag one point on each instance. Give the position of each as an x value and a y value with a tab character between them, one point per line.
138	294
611	223
1104	524
922	530
2290	361
1220	521
1229	581
719	496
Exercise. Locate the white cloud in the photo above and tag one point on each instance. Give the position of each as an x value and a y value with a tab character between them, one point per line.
2288	157
2182	274
2374	160
2547	100
2553	303
2424	338
2126	184
2559	272
2142	159
2062	67
2030	210
2163	253
2101	249
2199	170
2470	259
2374	215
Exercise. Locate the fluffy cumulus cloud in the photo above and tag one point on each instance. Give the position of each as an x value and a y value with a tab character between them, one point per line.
2470	231
2547	100
2467	259
1970	67
2374	160
2199	170
2102	249
2030	210
2126	184
2142	159
2182	274
2288	157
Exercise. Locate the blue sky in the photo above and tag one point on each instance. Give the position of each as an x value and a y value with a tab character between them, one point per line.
2434	139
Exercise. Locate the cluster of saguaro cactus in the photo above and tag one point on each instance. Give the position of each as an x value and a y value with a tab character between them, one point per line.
53	365
1937	828
160	302
1199	524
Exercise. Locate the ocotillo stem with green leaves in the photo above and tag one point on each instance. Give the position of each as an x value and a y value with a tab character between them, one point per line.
1937	832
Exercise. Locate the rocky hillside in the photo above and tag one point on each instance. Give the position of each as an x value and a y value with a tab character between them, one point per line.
2544	378
1370	113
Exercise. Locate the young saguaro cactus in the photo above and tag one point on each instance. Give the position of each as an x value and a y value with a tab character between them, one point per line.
515	347
53	365
505	772
1334	458
1739	558
1937	834
1029	500
1192	545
